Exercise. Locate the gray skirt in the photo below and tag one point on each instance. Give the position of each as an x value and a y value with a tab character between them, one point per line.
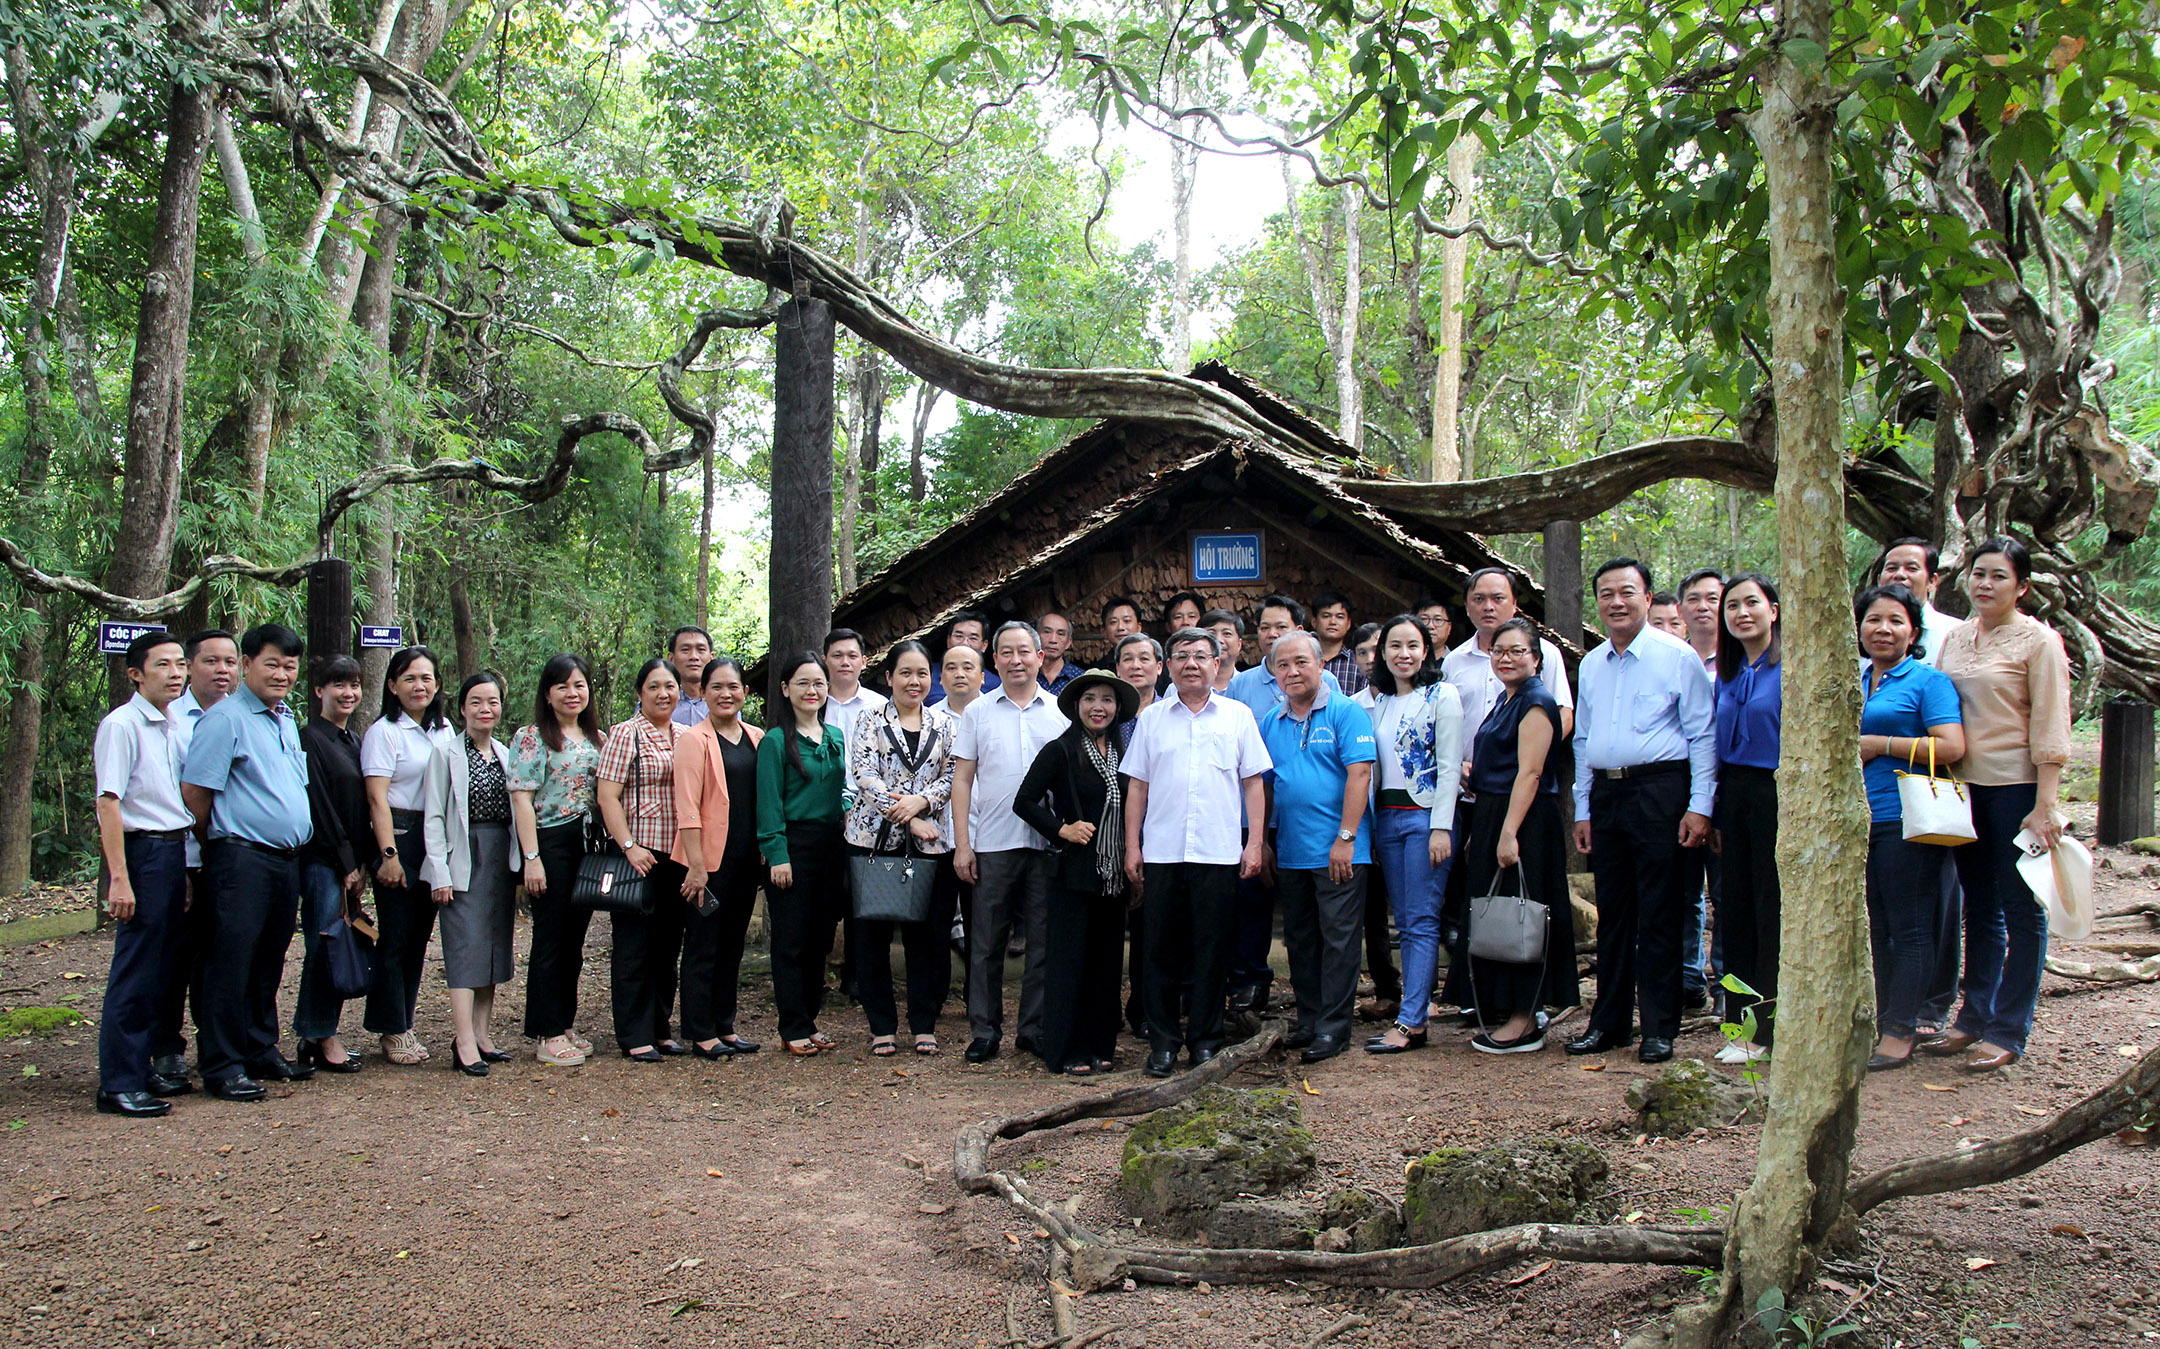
477	923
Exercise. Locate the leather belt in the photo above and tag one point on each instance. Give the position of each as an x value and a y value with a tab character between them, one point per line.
169	835
1659	769
252	846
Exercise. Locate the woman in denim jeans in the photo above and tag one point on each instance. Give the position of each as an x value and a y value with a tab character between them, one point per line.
2013	678
1418	720
1911	713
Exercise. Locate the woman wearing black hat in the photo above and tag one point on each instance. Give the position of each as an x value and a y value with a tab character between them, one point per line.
1073	796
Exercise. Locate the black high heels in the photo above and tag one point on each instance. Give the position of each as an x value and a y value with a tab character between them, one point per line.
311	1054
477	1068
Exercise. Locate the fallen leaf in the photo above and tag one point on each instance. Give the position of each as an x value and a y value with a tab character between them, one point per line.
225	1151
1843	1288
44	1199
401	1255
1594	1066
1939	1086
1041	1234
153	1208
715	1172
1011	1238
1062	1290
2067	1230
611	1112
1310	1089
900	1072
1978	1263
2028	1110
73	975
1637	1216
933	1209
2127	1051
1956	1121
1203	1287
1530	1273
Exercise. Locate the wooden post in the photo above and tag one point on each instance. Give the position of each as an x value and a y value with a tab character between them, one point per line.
799	604
329	607
2126	770
1563	579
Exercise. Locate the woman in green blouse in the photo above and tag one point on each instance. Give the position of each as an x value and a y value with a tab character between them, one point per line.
800	771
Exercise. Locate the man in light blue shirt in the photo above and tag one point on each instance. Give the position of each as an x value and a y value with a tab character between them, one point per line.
213	657
246	784
1323	749
1645	781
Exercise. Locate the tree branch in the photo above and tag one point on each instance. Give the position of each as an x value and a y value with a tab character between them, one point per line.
142	608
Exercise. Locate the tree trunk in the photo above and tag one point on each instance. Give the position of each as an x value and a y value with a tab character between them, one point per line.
374	302
1826	1002
261	414
1184	172
150	490
705	510
926	399
851	467
799	607
1447	457
1349	389
461	627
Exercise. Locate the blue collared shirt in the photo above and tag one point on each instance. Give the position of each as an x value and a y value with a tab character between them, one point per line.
1910	698
1651	703
1312	761
1257	689
1749	715
249	753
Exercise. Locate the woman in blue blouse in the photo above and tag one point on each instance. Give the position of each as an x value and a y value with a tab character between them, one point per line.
1911	711
1515	826
1750	697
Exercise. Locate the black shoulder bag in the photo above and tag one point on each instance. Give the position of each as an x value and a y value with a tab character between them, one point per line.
606	882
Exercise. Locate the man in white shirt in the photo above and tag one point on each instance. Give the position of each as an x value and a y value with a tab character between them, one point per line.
963	673
845	702
994	849
1645	781
143	822
1702	608
1915	564
689	648
1491	602
213	670
1195	760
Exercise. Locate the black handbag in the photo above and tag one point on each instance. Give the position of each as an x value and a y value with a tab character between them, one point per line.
892	887
348	958
606	882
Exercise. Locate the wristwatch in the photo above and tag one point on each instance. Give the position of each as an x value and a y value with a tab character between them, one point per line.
389	853
532	857
1346	835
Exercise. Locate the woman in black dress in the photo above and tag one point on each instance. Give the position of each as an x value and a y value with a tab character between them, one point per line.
1073	796
1515	826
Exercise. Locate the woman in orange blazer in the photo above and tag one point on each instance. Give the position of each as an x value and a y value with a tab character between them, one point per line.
716	842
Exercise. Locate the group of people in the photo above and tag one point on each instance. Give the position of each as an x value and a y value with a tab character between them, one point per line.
1138	821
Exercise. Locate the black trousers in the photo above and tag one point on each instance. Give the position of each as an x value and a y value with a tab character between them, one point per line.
187	956
926	950
1085	930
405	916
142	962
1379	957
1322	918
1635	854
1749	909
803	917
1249	968
254	905
1191	930
558	936
641	979
713	945
1947	979
1136	970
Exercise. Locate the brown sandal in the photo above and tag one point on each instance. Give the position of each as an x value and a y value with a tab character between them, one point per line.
822	1040
804	1049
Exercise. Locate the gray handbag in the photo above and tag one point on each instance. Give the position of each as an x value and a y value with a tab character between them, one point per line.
1507	928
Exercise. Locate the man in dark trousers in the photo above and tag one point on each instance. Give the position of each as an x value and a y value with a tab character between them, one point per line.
246	784
142	829
213	671
1645	779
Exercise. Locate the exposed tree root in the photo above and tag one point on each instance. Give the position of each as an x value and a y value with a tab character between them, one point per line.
2144	971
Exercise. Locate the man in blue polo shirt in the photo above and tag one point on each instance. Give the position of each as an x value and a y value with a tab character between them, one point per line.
1323	749
246	784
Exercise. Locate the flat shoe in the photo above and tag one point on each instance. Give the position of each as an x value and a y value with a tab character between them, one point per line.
404	1049
1885	1063
1528	1043
672	1048
1947	1044
1379	1043
720	1050
645	1056
1992	1061
741	1045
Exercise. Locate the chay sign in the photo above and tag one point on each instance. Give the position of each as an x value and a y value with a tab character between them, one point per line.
1220	559
373	638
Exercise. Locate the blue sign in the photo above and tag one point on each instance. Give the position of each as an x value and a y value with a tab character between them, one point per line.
1218	559
113	638
381	638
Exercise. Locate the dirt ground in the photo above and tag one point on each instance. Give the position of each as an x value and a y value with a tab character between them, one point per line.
764	1201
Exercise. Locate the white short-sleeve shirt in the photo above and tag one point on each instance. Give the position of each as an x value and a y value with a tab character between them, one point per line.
1003	739
398	750
137	757
1194	764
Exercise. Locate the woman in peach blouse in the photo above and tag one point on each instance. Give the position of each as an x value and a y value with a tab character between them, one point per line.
2013	680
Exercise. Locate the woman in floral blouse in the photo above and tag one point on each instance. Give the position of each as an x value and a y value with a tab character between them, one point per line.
637	803
554	775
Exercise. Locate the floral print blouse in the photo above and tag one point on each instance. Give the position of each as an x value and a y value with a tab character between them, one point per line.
564	782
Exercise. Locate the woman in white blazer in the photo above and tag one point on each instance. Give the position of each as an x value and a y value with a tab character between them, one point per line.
472	868
1418	720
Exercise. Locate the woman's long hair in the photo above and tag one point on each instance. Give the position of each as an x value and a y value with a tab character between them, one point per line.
1731	655
1384	679
555	673
790	740
432	715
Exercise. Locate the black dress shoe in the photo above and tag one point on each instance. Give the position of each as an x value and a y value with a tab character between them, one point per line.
312	1055
1655	1049
241	1088
133	1104
494	1056
1598	1042
1884	1063
277	1068
1161	1062
476	1068
635	1056
672	1048
721	1050
170	1065
1297	1039
1323	1048
740	1045
1024	1044
161	1085
981	1051
1200	1056
1697	1000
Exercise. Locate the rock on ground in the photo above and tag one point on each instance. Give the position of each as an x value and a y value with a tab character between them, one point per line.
1457	1190
1687	1096
1184	1160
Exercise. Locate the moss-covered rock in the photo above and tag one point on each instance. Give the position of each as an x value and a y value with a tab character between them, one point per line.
1182	1161
1541	1180
1261	1225
1358	1220
17	1022
1688	1096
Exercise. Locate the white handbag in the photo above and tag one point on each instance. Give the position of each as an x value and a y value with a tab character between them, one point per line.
1936	807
